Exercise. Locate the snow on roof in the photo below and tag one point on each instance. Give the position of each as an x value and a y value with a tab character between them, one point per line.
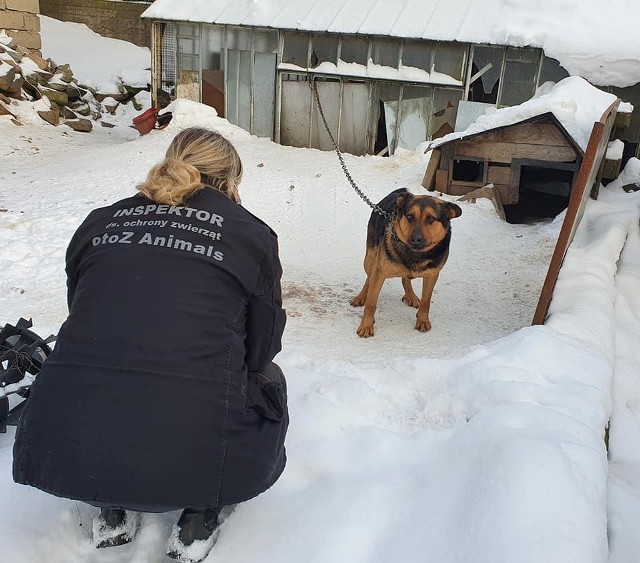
593	39
575	103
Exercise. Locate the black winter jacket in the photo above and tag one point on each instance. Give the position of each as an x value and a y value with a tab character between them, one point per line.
147	401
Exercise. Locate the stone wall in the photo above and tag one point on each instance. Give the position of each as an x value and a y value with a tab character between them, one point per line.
115	19
19	19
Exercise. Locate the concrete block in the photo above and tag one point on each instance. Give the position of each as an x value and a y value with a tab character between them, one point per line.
32	6
31	22
28	39
10	19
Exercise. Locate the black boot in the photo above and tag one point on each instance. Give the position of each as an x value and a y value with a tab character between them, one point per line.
114	526
194	535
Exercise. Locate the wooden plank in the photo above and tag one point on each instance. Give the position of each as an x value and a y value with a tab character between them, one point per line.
456	188
429	179
499	175
506	152
587	175
442	180
528	133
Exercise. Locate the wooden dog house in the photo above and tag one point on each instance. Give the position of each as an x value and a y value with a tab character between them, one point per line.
536	155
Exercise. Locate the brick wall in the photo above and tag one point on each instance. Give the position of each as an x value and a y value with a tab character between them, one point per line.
116	19
19	19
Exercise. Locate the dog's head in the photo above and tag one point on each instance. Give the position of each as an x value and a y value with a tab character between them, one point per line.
423	221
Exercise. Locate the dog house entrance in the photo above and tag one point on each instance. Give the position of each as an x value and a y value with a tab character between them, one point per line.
544	189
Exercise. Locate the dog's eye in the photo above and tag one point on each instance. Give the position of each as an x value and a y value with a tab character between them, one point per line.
429	220
410	218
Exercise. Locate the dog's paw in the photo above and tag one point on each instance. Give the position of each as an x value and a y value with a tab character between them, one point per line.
358	301
412	301
423	326
365	331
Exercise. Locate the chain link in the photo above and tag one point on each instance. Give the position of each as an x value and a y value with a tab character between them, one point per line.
376	208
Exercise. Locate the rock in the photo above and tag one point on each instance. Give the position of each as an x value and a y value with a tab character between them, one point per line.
68	113
132	90
13	54
7	76
101	96
59	86
66	75
106	124
51	116
15	89
40	62
4	110
59	98
81	107
75	92
82	125
110	105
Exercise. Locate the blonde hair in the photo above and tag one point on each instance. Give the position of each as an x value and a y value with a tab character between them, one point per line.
196	158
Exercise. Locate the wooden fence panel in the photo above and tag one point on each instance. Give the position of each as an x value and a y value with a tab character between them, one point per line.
587	176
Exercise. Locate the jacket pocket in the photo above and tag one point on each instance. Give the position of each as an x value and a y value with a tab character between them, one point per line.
266	396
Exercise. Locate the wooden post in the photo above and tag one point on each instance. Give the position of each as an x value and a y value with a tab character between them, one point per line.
587	176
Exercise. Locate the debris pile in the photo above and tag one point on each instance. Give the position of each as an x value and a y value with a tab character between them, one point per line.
26	76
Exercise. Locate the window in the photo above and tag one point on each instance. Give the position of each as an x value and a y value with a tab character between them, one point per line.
449	59
485	74
519	83
354	50
385	52
520	75
417	54
296	49
325	48
469	170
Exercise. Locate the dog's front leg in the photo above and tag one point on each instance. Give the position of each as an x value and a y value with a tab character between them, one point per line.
360	299
409	297
423	324
376	279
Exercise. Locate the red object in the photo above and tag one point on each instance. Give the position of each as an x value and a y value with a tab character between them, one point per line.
148	120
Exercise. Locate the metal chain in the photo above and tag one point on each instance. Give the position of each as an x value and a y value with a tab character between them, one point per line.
376	208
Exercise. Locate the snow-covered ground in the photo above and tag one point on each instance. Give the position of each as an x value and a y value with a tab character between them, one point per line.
481	441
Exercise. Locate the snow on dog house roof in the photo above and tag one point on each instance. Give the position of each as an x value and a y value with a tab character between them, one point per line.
593	39
575	103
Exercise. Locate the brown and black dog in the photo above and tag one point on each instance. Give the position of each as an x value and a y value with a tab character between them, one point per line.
412	242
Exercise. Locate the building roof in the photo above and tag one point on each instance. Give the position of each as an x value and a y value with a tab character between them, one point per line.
547	117
575	103
594	39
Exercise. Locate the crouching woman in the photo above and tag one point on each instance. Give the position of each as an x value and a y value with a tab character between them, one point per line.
161	393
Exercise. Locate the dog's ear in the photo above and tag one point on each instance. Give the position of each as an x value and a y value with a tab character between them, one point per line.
402	200
452	210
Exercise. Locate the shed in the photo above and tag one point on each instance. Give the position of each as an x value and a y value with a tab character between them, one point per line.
389	74
530	161
530	153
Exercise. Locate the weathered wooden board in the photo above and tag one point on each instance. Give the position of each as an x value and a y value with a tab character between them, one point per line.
429	180
527	133
505	152
586	178
442	179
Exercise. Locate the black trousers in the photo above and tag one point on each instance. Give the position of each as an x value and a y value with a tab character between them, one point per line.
268	399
